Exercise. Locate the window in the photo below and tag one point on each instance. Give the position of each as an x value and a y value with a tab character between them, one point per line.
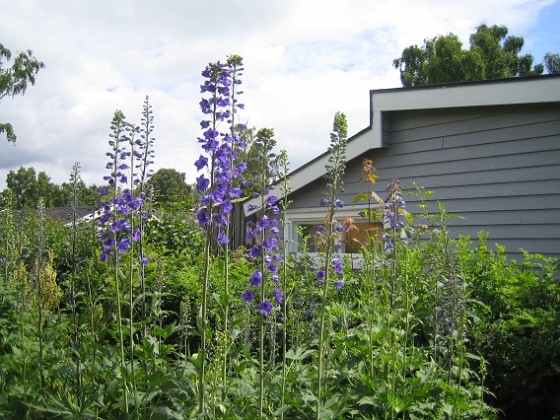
355	235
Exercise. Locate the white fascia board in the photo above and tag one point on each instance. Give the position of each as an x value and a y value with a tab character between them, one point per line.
501	92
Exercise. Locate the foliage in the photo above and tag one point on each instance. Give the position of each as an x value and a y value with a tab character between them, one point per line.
492	55
169	187
519	331
15	79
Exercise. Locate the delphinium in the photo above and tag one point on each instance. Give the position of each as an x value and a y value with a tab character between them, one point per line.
116	232
283	169
145	156
214	186
393	209
264	283
394	215
449	304
327	235
237	166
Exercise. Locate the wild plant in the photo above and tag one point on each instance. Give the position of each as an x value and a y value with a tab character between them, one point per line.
39	282
327	234
74	200
8	250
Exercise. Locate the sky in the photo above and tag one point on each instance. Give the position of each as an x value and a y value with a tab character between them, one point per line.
304	61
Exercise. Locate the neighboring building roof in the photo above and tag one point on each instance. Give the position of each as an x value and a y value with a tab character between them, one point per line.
514	91
65	213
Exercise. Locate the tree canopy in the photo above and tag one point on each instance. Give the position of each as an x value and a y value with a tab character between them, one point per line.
28	187
492	55
15	79
169	186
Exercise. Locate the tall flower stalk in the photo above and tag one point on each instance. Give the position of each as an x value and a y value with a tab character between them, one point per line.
264	252
328	234
283	169
74	180
215	188
113	236
145	155
235	63
38	289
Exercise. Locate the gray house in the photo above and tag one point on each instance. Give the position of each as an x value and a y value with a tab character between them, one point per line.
490	151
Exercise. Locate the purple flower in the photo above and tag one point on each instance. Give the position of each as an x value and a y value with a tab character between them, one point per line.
136	236
339	284
227	207
202	184
235	192
145	261
271	200
278	295
203	219
222	238
263	223
269	243
116	226
255	279
320	274
337	265
124	244
248	296
265	308
254	252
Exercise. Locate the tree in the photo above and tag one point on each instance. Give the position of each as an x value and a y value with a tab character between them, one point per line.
28	187
169	187
552	63
492	55
15	79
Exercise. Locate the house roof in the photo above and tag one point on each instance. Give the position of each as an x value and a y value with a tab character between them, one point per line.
514	91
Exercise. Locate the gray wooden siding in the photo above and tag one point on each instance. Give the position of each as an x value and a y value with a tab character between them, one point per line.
498	167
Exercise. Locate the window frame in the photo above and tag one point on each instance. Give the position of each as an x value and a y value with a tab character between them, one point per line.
315	216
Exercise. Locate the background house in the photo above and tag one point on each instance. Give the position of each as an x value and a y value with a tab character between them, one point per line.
489	150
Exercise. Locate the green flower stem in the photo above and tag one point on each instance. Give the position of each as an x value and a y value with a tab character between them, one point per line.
336	171
283	162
